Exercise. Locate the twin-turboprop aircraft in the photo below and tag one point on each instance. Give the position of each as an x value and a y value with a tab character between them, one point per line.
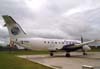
19	37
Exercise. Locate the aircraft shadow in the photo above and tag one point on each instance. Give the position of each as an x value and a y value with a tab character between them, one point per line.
89	56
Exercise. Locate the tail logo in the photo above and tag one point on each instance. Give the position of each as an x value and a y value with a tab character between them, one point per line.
15	31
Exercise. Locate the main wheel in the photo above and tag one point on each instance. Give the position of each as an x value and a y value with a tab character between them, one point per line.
84	53
51	54
67	54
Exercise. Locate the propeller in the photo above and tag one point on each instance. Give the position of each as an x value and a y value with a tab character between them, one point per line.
82	39
85	47
82	46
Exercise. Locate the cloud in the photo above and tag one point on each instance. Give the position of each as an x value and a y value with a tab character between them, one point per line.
66	19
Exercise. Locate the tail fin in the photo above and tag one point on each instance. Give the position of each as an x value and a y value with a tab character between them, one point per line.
15	31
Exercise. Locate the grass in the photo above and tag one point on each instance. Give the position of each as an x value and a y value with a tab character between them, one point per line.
8	60
27	52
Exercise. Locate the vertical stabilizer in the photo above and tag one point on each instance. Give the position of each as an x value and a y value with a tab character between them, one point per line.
15	31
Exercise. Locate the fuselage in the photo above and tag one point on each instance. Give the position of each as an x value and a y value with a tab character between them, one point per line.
45	44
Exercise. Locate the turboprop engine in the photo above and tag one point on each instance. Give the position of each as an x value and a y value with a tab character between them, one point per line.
86	48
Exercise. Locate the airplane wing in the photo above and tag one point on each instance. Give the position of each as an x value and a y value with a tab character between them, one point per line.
85	43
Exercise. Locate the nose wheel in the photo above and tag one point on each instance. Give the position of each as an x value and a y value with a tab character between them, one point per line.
67	54
84	53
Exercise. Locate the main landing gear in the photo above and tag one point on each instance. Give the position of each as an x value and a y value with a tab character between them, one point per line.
51	53
67	54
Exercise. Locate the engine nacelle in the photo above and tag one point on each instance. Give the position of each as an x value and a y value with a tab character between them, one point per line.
86	48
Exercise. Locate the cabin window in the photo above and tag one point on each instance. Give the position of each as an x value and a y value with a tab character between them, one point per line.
62	42
67	42
44	41
55	42
72	43
48	42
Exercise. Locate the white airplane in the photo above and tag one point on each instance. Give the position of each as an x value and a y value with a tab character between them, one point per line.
19	37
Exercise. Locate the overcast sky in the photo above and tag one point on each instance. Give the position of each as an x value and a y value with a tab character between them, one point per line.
68	19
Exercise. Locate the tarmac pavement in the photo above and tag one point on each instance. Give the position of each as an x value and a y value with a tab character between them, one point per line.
59	61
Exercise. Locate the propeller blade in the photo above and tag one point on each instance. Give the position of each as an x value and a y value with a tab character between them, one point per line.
81	39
